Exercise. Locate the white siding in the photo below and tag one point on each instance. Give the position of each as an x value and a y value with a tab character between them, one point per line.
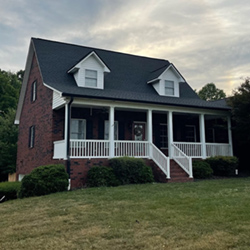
58	101
90	63
169	75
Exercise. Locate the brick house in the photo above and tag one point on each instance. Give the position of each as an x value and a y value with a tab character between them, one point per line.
80	106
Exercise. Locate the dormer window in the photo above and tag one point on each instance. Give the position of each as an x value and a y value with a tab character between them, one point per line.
169	87
89	72
90	78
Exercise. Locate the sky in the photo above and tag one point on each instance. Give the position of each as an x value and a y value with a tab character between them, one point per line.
207	40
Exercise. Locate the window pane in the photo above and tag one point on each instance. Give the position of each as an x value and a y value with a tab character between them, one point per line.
89	82
77	129
169	91
91	73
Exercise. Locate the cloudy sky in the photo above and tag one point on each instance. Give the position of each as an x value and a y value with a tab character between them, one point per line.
207	40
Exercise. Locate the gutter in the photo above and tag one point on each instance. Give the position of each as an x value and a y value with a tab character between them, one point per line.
68	136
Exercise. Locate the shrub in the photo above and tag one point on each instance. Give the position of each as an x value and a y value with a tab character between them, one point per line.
202	170
131	170
9	190
44	180
223	165
101	176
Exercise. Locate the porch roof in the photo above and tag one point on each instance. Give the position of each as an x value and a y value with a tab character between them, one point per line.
127	82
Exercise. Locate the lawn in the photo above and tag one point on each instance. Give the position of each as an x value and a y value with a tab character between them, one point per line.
212	214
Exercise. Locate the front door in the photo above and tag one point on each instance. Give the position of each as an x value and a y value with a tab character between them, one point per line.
139	131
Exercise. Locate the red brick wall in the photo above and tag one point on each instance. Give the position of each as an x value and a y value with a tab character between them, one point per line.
80	168
39	114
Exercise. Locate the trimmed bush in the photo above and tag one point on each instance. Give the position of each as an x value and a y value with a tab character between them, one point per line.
101	176
202	170
223	165
130	170
9	189
44	180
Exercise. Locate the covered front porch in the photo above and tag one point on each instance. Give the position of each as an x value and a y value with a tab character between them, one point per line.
160	134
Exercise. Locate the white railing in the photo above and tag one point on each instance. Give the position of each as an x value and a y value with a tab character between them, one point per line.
160	159
131	148
59	150
89	148
191	149
182	159
214	149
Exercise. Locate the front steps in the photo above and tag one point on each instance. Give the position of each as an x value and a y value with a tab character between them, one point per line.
177	174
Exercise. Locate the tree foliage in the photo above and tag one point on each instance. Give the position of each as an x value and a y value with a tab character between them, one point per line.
210	93
10	84
8	142
240	103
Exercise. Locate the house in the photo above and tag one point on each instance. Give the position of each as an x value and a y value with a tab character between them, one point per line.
80	106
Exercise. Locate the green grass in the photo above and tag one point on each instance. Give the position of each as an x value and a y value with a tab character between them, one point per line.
212	214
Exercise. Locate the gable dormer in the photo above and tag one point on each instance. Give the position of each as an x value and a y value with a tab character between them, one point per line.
89	72
167	82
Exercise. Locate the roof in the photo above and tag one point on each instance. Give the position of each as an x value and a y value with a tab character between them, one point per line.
126	82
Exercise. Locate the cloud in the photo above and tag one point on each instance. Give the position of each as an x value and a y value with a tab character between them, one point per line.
208	41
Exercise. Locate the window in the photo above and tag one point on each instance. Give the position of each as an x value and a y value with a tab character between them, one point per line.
106	130
32	136
78	129
169	87
34	90
190	133
163	135
90	78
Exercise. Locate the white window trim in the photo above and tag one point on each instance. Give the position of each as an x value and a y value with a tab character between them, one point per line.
84	128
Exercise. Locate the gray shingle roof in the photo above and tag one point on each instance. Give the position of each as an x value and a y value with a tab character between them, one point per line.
126	82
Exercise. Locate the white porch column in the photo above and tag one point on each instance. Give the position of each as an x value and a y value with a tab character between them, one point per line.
150	130
202	136
66	128
111	131
230	141
170	133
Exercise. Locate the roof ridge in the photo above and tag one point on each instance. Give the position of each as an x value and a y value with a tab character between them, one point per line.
93	48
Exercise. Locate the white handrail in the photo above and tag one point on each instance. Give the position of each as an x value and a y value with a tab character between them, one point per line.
184	161
160	159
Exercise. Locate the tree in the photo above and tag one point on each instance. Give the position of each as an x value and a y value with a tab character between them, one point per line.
240	103
8	142
10	84
9	90
210	93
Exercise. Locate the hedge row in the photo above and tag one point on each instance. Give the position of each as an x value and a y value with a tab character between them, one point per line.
122	170
218	166
9	190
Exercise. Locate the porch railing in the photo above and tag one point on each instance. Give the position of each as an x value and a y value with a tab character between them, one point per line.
182	159
131	148
191	149
194	149
89	148
59	150
160	159
214	149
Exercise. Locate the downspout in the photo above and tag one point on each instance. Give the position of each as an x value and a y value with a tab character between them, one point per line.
68	137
